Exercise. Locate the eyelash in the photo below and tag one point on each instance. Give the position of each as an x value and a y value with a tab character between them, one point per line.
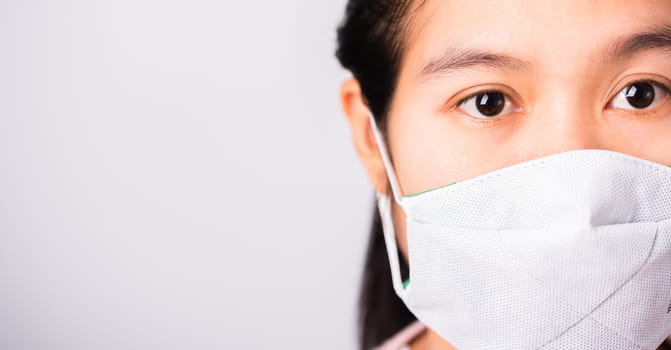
509	101
646	110
508	104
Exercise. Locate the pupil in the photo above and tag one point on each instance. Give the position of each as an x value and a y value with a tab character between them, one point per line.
640	95
490	104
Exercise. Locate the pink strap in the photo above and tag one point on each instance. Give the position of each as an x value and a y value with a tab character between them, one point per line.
402	338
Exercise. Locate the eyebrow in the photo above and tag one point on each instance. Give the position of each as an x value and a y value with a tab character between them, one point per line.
456	58
657	38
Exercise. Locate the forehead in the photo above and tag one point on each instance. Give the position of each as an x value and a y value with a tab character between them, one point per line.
544	32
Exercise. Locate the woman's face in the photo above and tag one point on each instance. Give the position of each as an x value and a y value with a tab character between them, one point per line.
487	84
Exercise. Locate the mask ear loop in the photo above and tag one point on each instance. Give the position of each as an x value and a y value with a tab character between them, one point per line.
384	205
382	147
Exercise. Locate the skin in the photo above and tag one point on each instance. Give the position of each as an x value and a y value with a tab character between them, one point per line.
563	97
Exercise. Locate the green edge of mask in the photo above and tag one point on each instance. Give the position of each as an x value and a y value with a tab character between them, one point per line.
448	185
427	191
406	283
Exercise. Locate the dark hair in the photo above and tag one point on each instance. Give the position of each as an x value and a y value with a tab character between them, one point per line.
381	312
370	45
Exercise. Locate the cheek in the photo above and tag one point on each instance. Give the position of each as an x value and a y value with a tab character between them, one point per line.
430	152
650	140
399	227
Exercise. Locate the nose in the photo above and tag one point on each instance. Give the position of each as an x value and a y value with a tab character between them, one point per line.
565	123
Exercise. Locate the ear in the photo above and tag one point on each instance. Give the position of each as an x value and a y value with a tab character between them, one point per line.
356	109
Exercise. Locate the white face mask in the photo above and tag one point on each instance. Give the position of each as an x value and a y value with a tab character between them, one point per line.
570	251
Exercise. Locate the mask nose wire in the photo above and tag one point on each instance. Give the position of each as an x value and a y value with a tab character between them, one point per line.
382	147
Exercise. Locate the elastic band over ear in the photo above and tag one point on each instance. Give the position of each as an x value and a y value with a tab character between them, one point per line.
384	206
382	147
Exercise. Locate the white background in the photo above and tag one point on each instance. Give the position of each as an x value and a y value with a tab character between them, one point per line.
176	175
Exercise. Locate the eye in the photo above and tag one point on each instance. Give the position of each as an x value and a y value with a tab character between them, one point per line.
640	95
487	105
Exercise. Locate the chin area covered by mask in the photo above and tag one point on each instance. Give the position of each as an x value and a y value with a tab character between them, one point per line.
568	251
